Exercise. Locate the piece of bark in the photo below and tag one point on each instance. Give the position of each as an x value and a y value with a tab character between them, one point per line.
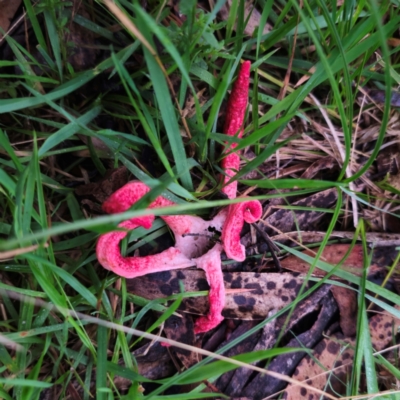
307	306
275	329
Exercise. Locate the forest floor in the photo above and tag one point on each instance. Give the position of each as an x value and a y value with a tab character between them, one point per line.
95	94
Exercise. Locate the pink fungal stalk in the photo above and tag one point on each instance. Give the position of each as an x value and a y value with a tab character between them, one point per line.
235	113
192	242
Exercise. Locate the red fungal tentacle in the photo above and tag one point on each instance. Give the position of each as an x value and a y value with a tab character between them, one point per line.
235	113
238	101
189	246
125	197
248	211
211	264
109	256
230	165
128	195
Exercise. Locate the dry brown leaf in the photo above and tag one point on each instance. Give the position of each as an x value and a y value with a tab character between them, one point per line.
329	355
335	357
101	190
382	326
253	21
265	385
82	50
265	291
332	254
8	8
346	300
318	166
181	329
288	220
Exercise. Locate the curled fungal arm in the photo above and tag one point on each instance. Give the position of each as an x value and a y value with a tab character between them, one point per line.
238	214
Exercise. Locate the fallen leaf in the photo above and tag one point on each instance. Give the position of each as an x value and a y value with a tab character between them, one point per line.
330	355
182	330
334	357
332	254
8	8
251	15
265	385
265	291
346	300
101	190
81	51
324	163
382	326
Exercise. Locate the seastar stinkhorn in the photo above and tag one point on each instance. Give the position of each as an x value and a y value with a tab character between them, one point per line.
192	242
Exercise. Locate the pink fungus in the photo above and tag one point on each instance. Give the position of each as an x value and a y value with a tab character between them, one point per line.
248	211
234	119
192	233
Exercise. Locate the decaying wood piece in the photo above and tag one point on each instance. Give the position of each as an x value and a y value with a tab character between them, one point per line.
332	254
285	220
288	220
153	361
